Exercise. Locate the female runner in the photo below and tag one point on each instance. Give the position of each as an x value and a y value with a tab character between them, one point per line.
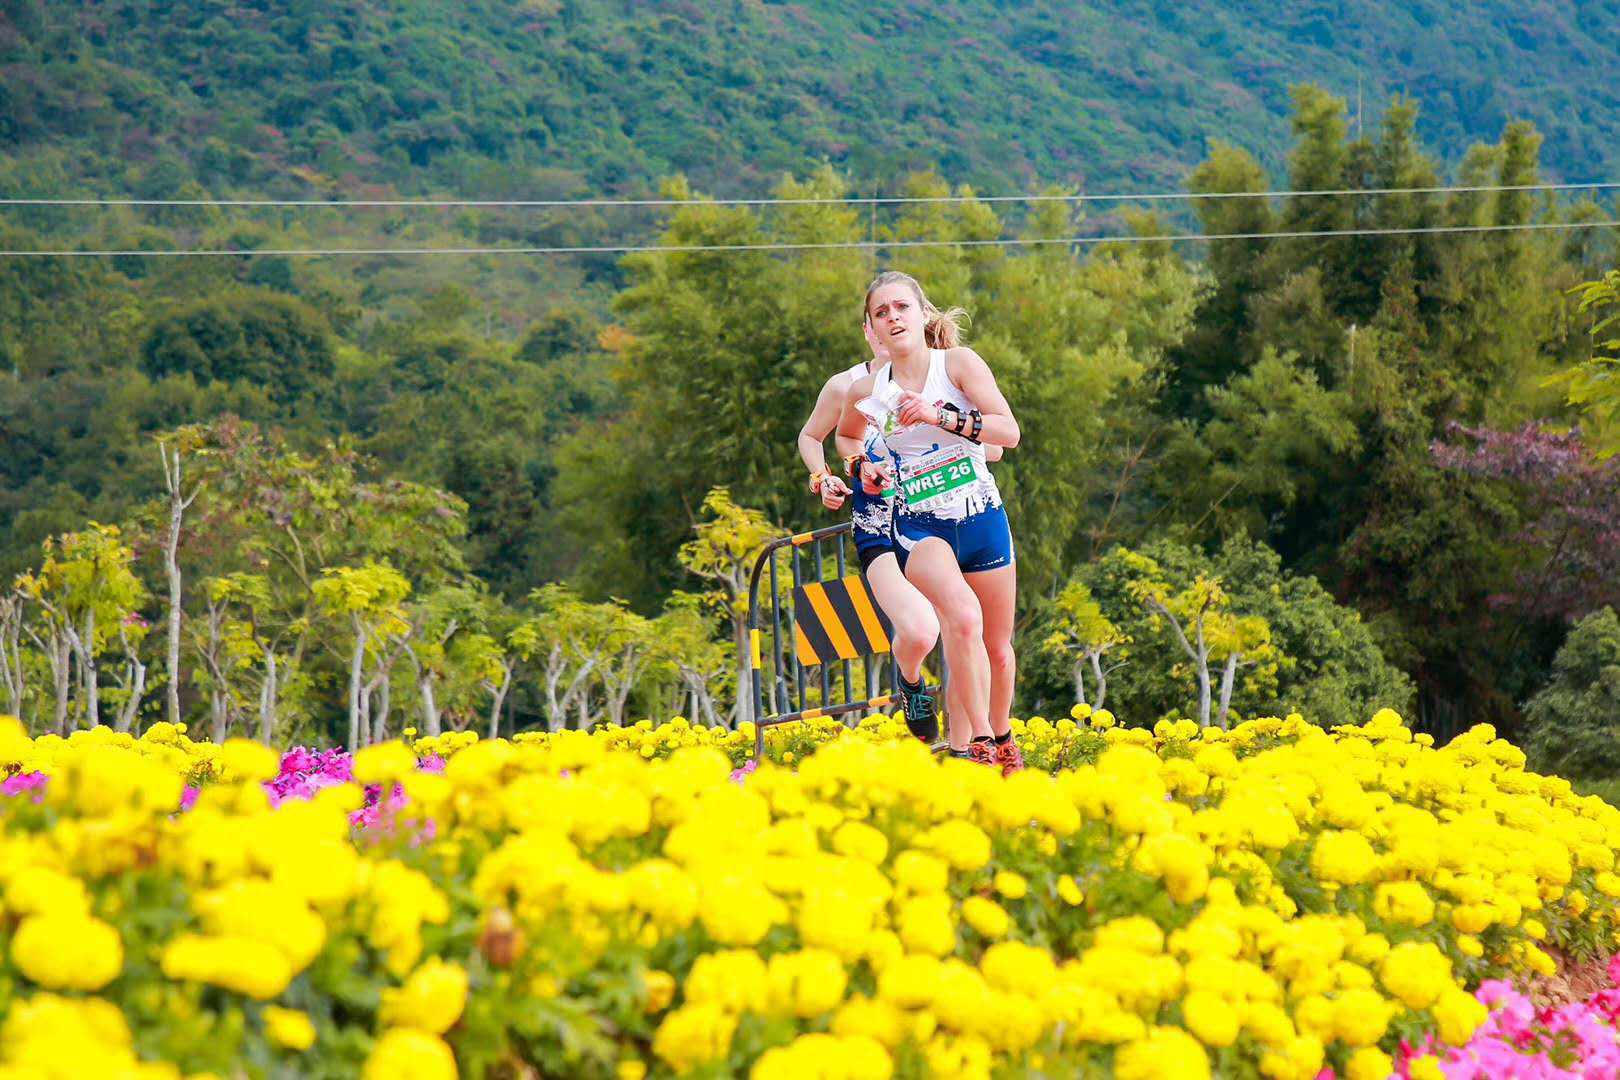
939	406
916	628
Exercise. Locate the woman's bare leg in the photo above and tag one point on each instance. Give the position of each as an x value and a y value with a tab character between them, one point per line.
916	627
931	567
997	590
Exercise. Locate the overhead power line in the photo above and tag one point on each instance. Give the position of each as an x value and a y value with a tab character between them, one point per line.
831	245
853	200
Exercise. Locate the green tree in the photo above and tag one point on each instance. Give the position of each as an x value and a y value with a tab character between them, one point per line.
1572	726
87	592
1084	635
728	543
264	338
1327	665
1594	387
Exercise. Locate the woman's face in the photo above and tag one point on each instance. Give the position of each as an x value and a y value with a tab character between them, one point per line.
896	317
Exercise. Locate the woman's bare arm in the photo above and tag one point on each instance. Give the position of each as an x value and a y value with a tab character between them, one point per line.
968	370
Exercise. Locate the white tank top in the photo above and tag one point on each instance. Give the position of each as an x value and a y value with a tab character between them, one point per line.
911	445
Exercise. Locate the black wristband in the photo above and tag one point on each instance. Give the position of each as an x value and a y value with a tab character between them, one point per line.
978	425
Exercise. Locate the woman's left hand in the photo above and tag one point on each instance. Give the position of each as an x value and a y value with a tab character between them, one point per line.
914	410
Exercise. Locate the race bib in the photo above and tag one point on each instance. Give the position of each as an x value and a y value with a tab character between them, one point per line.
932	480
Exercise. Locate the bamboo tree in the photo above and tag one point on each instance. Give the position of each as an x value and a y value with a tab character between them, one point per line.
370	598
172	451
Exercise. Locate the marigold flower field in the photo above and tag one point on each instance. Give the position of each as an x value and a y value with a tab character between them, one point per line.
1276	901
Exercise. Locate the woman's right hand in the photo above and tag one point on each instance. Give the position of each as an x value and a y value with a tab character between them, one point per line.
833	492
875	476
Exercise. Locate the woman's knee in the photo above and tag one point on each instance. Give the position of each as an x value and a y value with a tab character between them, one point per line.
1002	657
962	623
918	625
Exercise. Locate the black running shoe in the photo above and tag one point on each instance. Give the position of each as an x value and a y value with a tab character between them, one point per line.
921	718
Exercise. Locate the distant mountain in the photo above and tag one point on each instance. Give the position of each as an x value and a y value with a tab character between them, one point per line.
555	98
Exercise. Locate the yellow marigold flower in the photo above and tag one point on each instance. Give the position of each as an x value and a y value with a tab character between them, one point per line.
1539	962
245	761
241	964
1068	891
925	925
51	1036
40	890
1416	973
1015	966
873	1018
1426	1067
660	987
431	999
1343	857
960	843
805	983
408	1054
1301	1059
1471	918
910	981
1211	1018
985	916
820	1055
1369	949
734	978
289	1028
68	951
1011	885
1361	1016
1369	1063
631	1069
695	1034
1134	933
1458	1013
385	763
860	841
1180	860
920	872
1163	1053
1403	902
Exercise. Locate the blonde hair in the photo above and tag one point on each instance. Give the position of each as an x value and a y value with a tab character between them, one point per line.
941	329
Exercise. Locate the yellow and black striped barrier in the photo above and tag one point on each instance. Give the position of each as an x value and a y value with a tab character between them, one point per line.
838	620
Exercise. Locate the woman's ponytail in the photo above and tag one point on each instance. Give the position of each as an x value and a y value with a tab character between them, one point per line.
943	329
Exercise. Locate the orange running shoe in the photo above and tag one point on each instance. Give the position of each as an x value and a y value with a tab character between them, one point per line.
1009	757
981	753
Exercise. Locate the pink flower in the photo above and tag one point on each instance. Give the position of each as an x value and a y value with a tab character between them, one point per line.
25	781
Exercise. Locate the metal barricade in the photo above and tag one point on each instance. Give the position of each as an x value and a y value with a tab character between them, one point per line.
827	636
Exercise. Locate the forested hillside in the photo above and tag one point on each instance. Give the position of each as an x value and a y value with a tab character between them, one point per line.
541	98
1362	425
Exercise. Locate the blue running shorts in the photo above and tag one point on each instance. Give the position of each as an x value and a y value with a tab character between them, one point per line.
981	542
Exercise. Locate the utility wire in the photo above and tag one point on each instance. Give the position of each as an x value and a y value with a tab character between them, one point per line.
854	200
625	249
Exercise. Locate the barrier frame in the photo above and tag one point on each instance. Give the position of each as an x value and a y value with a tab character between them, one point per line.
788	680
